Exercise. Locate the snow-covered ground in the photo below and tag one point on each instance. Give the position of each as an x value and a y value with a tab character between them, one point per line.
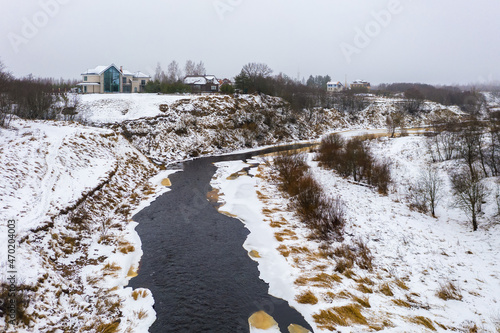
113	108
414	255
71	191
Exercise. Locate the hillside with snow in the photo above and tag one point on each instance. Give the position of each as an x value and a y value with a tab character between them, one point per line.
71	191
189	126
414	256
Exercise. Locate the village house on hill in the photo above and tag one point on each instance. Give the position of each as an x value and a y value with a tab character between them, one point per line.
334	86
202	83
111	79
360	84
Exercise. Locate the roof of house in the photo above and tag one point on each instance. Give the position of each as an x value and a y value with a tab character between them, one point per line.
101	69
335	82
200	79
141	75
195	80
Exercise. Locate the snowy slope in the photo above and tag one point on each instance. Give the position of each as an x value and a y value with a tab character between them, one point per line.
71	190
414	254
110	108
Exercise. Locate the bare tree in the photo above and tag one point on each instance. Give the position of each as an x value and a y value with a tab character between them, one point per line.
393	121
190	67
200	69
159	73
173	72
470	145
431	185
254	70
469	192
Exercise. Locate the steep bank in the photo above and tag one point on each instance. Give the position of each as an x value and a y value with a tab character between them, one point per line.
214	124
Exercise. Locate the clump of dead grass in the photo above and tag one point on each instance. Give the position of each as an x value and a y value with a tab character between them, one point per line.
449	291
307	297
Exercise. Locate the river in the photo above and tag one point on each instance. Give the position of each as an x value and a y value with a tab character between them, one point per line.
194	263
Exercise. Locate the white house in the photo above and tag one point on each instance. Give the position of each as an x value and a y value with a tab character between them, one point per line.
111	79
334	86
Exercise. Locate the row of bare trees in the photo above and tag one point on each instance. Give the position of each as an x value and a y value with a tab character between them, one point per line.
174	72
476	146
34	98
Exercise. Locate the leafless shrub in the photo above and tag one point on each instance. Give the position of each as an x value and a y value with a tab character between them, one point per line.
354	159
329	152
324	215
426	192
358	254
364	257
290	169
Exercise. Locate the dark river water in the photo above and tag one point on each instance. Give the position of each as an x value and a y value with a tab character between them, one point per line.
194	263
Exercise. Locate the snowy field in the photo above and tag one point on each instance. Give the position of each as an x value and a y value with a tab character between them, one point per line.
113	108
414	255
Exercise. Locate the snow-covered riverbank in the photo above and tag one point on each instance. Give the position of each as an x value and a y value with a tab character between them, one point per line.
414	255
71	191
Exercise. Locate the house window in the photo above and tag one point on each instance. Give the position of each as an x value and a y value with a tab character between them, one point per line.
111	80
84	78
214	88
143	82
85	89
124	80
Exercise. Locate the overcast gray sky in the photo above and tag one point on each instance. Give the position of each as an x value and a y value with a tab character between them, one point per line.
431	41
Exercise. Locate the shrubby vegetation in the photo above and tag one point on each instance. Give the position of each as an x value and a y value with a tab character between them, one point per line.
34	98
353	158
322	214
469	101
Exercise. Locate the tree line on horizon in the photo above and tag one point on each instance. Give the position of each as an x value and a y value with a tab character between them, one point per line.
35	97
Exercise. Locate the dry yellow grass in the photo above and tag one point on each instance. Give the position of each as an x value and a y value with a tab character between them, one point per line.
277	224
111	269
423	321
401	303
401	284
139	293
141	314
343	316
364	289
363	301
108	328
365	280
127	249
325	280
307	297
449	291
284	251
386	290
301	281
